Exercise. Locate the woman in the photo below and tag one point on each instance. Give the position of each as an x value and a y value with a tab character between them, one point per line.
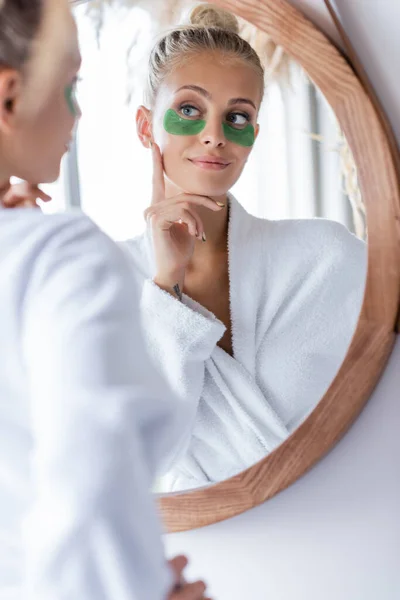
248	319
80	437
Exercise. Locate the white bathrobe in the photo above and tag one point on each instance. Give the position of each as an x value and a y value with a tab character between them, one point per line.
80	434
296	288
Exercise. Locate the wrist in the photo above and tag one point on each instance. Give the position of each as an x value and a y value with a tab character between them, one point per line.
172	283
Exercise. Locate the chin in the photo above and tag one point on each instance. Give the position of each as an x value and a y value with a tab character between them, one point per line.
51	175
206	188
210	191
39	176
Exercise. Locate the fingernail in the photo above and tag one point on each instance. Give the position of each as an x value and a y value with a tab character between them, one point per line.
203	237
221	204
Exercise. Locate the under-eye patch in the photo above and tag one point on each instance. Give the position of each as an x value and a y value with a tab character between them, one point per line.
176	125
243	137
71	99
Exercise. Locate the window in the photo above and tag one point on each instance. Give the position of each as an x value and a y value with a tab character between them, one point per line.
289	174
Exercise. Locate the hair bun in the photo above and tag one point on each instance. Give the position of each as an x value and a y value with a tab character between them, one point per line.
205	15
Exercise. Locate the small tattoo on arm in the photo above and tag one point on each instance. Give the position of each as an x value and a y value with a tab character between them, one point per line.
177	291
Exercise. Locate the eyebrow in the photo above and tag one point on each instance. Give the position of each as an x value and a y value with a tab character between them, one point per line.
242	101
203	92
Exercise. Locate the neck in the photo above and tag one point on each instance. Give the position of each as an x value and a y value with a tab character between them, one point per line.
215	227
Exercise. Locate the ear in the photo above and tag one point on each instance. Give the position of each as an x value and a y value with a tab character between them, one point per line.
143	126
10	93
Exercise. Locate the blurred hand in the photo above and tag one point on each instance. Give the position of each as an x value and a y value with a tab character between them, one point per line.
24	195
184	590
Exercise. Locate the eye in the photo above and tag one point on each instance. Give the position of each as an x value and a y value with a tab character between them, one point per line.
187	110
237	118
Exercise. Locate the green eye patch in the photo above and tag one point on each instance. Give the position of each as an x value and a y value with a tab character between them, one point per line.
176	125
243	137
71	100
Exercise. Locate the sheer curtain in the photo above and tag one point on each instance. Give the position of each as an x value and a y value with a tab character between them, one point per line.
289	174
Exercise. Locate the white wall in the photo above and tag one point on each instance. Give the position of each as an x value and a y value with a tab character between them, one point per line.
335	534
373	27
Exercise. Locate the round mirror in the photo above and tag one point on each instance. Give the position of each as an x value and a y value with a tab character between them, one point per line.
272	298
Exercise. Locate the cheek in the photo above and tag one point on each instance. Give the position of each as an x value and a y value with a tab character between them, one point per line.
177	168
241	155
174	147
57	117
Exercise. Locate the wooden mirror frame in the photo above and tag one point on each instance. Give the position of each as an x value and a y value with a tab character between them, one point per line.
375	334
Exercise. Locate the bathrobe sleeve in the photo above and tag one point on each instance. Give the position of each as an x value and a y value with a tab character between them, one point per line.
92	530
180	337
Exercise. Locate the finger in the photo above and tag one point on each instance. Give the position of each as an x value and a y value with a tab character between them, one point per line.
158	174
185	198
179	215
29	204
199	228
19	195
184	217
186	207
192	591
178	564
13	198
206	201
18	202
173	213
41	195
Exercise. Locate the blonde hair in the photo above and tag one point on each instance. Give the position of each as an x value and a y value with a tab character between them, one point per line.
210	29
19	25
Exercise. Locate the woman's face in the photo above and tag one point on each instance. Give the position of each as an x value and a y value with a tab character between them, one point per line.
37	128
207	109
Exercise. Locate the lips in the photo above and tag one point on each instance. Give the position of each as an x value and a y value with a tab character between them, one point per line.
213	160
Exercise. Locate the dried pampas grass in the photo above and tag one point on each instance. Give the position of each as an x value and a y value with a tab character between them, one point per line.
166	14
276	61
352	187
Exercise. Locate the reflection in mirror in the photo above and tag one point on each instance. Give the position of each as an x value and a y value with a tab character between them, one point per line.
273	290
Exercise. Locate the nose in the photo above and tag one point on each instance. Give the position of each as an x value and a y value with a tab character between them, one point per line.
213	134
